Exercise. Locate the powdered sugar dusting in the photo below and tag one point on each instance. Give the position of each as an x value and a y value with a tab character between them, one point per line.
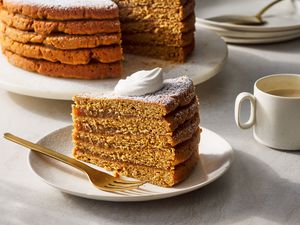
98	4
176	92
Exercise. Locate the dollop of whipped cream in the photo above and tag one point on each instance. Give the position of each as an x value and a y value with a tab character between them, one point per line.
140	83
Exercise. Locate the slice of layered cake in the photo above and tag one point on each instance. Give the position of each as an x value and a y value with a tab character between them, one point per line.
152	136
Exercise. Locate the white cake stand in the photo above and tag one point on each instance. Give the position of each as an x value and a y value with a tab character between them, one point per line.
206	61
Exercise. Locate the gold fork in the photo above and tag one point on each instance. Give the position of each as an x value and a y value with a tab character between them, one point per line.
99	179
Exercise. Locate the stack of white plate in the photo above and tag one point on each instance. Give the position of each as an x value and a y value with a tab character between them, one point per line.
281	25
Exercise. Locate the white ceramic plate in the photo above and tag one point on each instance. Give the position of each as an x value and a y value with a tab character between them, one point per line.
206	61
216	157
249	34
286	17
274	23
259	40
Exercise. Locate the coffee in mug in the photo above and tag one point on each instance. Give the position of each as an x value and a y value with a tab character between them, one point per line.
285	92
275	111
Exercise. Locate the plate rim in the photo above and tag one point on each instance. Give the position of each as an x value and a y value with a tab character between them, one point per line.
248	34
123	198
260	40
33	92
246	28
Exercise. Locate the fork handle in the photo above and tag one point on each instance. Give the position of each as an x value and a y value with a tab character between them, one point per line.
48	152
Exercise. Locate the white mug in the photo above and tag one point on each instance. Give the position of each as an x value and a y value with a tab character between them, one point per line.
275	111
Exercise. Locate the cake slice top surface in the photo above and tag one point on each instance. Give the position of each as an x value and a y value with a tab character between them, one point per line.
63	9
64	3
175	93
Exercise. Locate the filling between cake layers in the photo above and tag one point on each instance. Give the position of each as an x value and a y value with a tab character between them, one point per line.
60	41
90	71
102	54
151	157
129	141
47	27
160	26
164	178
94	120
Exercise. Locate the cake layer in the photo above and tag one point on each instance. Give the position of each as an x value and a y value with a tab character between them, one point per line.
89	120
63	10
176	54
89	71
165	178
127	141
61	41
175	93
146	156
45	27
159	26
160	39
103	54
154	3
150	12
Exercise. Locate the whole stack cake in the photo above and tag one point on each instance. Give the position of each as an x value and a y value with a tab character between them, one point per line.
152	137
82	38
158	28
63	38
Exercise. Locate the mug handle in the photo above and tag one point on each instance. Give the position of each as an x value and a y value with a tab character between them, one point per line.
237	110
